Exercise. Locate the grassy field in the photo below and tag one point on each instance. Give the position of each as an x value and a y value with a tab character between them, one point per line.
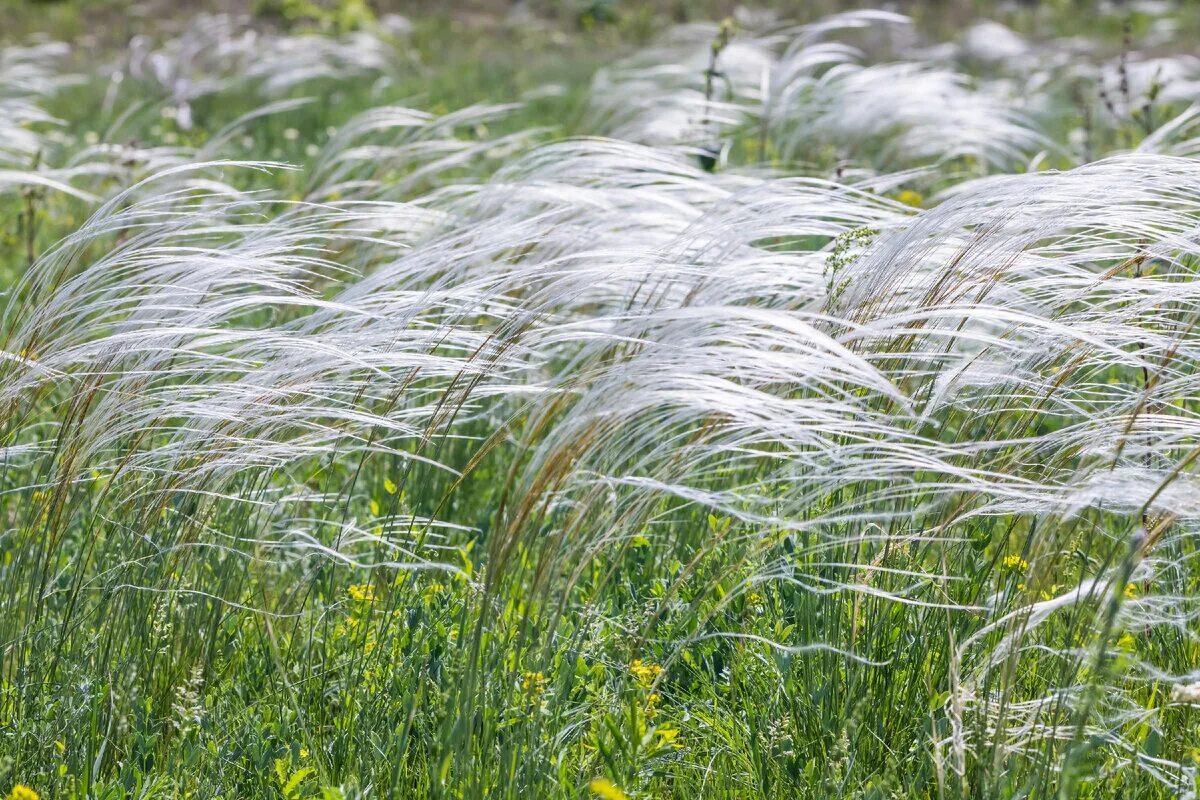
599	400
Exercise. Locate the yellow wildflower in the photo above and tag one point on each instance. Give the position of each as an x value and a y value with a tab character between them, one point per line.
754	602
603	787
533	682
1015	563
910	198
362	592
22	792
644	673
1131	591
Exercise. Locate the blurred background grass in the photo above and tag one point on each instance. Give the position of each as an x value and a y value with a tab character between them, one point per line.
608	22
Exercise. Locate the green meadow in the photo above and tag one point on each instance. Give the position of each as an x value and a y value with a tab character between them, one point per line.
599	399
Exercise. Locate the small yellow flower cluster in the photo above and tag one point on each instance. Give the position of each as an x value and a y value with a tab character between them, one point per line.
361	592
22	792
533	683
651	709
1015	563
755	603
910	198
644	673
606	789
1131	591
